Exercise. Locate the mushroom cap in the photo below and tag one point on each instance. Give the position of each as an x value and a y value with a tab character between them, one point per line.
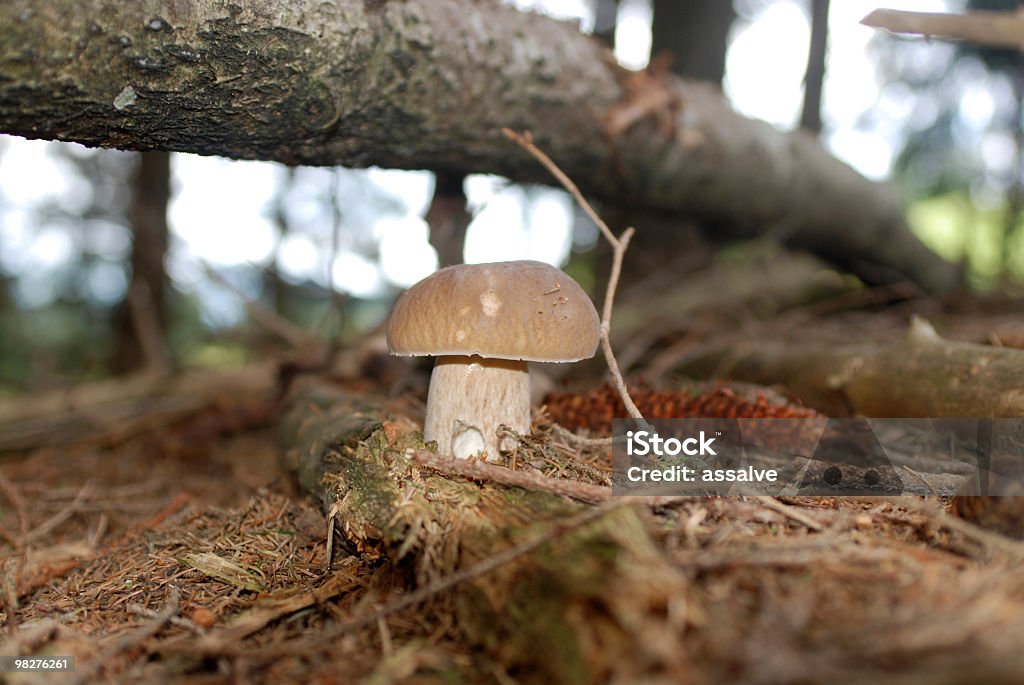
508	310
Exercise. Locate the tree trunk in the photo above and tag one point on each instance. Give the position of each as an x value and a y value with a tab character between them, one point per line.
448	218
696	32
605	20
810	118
427	85
142	319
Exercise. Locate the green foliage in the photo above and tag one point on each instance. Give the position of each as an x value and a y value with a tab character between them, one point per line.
957	229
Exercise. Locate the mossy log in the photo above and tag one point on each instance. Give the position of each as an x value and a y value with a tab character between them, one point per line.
922	375
590	601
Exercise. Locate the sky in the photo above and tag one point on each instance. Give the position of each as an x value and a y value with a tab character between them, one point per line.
220	213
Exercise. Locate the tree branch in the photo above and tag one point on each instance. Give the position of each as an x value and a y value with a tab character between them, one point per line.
425	84
996	29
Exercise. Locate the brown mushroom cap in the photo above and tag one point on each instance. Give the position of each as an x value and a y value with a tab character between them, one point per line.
508	310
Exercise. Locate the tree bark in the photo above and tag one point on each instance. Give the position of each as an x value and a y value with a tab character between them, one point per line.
427	85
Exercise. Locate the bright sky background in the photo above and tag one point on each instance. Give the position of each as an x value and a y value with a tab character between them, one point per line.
220	210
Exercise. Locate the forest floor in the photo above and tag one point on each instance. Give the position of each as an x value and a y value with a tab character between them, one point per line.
182	551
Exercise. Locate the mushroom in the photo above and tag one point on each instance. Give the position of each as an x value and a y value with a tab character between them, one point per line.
484	322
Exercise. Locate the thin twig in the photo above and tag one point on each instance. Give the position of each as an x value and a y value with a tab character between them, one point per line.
478	470
60	517
128	641
789	512
139	610
988	540
569	436
584	492
619	246
272	322
331	517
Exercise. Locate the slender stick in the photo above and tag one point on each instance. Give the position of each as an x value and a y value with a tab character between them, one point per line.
619	246
584	492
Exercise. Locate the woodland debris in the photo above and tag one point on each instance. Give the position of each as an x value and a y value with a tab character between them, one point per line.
922	375
112	411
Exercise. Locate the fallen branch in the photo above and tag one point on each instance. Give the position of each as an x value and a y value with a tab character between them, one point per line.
441	74
995	29
922	375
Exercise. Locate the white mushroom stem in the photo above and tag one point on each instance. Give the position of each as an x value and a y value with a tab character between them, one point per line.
469	398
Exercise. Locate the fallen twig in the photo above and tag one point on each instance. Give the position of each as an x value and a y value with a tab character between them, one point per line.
569	436
619	246
60	517
296	337
478	470
789	512
988	540
270	609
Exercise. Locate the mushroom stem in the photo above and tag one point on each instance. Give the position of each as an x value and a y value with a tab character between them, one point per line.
469	398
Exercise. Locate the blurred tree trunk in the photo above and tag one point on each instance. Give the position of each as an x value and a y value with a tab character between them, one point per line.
448	218
696	32
605	20
274	287
810	118
141	321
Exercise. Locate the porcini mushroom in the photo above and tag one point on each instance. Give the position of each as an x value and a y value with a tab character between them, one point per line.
484	322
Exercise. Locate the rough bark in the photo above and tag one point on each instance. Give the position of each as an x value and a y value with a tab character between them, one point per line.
420	84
